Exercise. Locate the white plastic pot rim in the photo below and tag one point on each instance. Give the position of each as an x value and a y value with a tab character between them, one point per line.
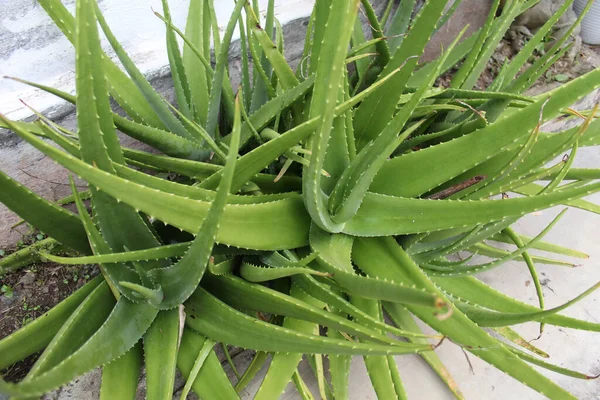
590	25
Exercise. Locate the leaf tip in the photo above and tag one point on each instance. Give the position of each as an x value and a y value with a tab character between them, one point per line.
592	377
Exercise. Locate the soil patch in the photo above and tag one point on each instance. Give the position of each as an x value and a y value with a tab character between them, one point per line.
30	292
560	72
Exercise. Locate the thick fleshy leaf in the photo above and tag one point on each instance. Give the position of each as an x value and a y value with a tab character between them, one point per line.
243	295
114	274
382	215
328	295
485	317
328	83
99	145
334	252
372	254
46	216
214	102
382	371
161	344
213	318
473	290
123	89
178	70
121	331
76	330
178	281
373	114
195	69
352	186
285	220
151	96
211	381
283	365
402	176
403	319
120	377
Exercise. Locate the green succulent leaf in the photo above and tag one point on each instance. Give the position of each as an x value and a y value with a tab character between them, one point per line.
63	225
161	345
286	232
123	89
217	320
179	281
398	176
120	378
403	319
372	253
211	381
283	365
382	371
470	289
256	297
216	85
324	195
366	126
491	318
118	334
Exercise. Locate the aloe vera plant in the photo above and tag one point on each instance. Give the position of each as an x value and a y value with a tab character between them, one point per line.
323	197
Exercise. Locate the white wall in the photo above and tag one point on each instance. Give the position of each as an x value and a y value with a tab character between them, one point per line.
32	48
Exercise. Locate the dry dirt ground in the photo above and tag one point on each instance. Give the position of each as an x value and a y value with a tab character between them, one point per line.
30	292
562	71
